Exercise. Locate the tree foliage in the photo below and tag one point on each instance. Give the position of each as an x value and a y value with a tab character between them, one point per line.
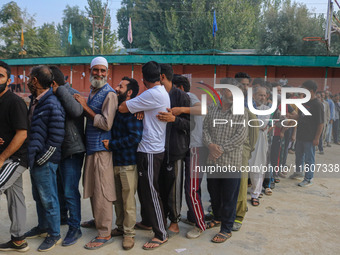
186	25
283	26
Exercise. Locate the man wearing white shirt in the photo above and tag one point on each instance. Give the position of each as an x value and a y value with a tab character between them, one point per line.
150	152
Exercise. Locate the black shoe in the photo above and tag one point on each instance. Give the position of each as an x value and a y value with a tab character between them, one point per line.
209	216
36	232
49	243
73	234
13	246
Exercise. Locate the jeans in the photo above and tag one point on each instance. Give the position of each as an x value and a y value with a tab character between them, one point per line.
320	146
70	172
329	133
305	157
335	131
45	194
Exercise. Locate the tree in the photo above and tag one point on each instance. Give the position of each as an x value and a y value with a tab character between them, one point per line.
186	25
50	40
13	20
81	31
284	25
97	8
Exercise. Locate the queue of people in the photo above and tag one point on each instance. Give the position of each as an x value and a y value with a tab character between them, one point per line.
151	144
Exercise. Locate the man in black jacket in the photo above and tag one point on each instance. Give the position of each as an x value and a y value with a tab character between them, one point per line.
73	149
176	147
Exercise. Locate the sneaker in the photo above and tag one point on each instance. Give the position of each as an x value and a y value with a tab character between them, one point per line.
305	183
321	152
296	175
73	234
13	246
194	233
36	232
49	243
236	226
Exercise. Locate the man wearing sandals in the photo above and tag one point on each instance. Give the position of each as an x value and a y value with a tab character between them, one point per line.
225	149
126	134
259	155
150	152
99	184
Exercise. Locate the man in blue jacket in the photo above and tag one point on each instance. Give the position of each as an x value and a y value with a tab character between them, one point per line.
46	134
73	149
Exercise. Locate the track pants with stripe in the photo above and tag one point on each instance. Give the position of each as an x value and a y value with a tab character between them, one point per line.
192	185
171	183
148	191
11	185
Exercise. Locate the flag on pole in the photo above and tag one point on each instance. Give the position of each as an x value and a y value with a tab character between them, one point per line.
22	38
70	35
130	39
214	25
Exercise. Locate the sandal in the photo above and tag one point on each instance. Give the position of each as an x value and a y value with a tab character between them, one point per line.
255	201
155	242
117	232
268	191
97	239
261	195
277	180
213	224
223	236
88	224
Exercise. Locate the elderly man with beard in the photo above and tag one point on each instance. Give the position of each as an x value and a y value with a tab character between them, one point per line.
127	132
259	155
99	183
225	144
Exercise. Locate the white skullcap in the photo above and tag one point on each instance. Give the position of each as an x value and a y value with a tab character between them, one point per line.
99	61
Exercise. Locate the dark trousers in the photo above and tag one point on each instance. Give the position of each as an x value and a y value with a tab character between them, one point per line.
274	160
171	188
148	192
320	146
284	150
197	156
224	194
335	130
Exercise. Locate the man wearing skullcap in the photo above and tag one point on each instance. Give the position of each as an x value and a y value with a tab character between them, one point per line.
99	186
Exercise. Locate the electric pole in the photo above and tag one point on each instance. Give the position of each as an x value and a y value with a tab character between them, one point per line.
93	25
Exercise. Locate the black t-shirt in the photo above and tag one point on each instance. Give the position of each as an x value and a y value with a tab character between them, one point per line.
307	125
13	116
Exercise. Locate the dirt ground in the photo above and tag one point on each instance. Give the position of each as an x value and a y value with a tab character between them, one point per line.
293	220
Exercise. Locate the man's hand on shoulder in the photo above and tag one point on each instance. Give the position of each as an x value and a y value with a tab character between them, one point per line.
80	99
166	116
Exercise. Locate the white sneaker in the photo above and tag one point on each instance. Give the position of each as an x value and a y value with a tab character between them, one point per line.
194	233
305	183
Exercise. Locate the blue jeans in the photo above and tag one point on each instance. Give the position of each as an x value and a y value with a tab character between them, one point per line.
305	156
70	172
329	133
45	194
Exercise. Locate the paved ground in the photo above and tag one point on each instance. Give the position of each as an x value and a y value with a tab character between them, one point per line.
293	220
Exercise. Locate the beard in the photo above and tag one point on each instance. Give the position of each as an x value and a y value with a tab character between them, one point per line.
122	97
98	83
